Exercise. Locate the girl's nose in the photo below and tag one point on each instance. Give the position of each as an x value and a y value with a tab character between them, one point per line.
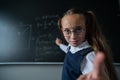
73	35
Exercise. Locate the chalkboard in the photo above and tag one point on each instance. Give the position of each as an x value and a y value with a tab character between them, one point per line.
31	42
28	29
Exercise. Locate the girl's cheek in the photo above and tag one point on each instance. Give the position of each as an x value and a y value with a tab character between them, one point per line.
67	39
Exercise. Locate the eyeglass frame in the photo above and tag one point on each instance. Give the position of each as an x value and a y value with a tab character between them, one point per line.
77	31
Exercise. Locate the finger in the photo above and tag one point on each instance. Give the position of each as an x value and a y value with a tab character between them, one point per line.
99	59
98	62
82	77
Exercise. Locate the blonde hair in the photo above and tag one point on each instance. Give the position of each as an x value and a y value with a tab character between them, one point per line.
95	38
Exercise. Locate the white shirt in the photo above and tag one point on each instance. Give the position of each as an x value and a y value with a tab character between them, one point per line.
87	64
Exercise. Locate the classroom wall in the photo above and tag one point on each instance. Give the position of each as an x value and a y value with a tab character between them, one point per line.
34	72
30	72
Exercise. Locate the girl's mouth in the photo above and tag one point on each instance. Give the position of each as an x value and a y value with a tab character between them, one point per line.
73	42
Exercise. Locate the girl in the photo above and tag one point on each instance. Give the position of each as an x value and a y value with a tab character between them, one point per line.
81	31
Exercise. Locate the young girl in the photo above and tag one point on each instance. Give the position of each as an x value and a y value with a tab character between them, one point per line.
81	31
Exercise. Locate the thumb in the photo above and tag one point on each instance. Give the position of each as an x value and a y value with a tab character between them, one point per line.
82	77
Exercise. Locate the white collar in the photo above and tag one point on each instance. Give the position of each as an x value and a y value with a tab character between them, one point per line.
84	45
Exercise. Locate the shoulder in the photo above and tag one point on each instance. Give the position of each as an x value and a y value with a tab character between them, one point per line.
90	56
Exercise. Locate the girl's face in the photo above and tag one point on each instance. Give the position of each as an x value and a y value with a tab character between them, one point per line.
74	29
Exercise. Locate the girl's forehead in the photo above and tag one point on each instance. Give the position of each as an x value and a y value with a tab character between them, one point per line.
76	16
73	20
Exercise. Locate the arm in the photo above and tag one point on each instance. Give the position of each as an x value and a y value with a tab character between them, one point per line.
97	72
87	64
62	46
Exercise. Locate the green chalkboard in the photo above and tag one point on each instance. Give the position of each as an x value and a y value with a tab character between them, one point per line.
28	29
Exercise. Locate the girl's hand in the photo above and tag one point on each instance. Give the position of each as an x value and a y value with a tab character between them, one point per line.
58	41
97	72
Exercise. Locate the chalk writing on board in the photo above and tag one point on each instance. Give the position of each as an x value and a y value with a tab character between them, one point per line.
47	31
27	28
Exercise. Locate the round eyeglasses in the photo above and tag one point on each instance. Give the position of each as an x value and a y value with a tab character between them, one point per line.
77	31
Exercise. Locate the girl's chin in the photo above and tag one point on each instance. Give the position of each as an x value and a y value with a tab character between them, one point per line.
74	45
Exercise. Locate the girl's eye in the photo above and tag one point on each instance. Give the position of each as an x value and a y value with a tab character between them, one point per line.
67	31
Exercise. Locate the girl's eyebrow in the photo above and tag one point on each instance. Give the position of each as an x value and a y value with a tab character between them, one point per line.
66	29
76	27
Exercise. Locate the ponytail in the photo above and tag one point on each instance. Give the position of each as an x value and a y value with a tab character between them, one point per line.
99	43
